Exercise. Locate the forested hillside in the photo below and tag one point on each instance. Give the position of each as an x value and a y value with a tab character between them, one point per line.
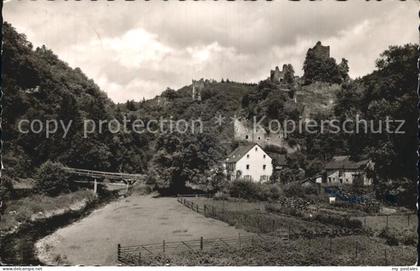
38	85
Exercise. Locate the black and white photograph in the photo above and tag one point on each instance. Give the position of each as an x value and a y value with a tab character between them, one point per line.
209	133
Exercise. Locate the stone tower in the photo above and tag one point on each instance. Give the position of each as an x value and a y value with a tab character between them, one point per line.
320	51
197	87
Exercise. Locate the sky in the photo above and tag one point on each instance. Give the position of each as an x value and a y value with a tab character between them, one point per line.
138	49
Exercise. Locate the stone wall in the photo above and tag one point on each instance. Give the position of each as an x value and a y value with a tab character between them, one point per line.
320	51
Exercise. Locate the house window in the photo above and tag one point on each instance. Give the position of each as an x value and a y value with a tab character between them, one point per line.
264	156
329	179
259	138
247	156
256	149
247	166
264	166
246	137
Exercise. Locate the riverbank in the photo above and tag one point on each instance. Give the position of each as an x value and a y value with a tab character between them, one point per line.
36	217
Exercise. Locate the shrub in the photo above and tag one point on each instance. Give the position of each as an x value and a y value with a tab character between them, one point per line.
394	237
294	190
276	192
220	196
51	179
391	238
271	192
6	188
245	189
338	220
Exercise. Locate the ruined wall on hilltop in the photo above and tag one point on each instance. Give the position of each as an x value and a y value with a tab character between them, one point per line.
244	131
320	51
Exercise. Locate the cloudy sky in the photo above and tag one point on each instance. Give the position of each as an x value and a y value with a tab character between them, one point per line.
137	49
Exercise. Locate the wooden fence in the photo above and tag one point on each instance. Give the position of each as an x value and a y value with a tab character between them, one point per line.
261	222
256	221
159	253
135	255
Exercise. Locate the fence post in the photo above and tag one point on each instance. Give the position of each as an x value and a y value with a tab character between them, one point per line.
356	249
239	240
386	258
205	210
119	252
139	259
163	246
330	245
274	224
201	243
408	220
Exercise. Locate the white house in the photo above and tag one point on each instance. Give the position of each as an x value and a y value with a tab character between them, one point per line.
250	162
342	170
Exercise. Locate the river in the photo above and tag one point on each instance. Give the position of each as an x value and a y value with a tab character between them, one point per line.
18	248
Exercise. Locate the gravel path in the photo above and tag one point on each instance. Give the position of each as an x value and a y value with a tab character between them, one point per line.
131	221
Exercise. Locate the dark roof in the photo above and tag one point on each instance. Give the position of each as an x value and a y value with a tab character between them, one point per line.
344	162
278	159
239	152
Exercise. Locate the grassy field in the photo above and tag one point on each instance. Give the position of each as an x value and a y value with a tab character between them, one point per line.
350	250
135	220
254	217
399	241
39	206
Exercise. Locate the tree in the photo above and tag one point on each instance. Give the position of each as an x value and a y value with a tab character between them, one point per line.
51	179
289	74
343	68
317	68
183	158
389	91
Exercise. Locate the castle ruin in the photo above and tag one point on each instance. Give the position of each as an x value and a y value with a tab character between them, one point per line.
320	51
244	131
197	88
277	76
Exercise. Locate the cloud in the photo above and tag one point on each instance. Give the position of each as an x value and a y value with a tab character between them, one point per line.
137	49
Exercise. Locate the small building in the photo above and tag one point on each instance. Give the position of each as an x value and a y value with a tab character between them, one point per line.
342	170
318	178
250	162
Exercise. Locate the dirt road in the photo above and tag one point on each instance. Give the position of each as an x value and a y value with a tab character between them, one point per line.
132	221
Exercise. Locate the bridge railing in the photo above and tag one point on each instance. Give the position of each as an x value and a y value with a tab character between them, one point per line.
104	174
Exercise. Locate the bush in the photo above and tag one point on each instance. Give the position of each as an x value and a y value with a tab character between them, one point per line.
394	237
51	179
339	221
271	192
6	188
246	190
220	196
391	238
294	190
